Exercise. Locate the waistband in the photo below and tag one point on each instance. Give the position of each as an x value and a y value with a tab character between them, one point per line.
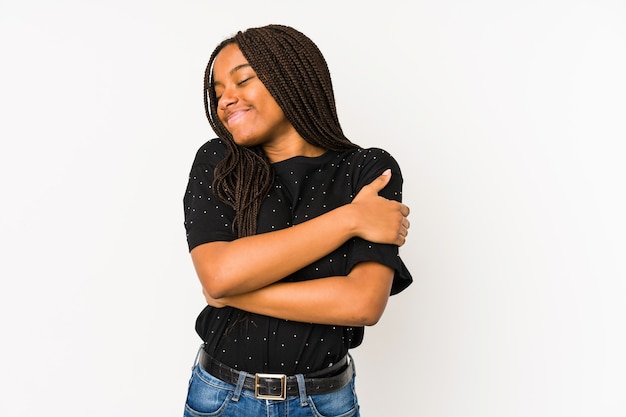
279	386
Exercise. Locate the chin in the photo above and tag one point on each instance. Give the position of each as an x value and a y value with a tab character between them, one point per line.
246	142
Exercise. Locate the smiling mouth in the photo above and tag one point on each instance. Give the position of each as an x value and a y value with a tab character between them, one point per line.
235	117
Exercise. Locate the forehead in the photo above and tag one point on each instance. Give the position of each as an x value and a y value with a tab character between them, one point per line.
228	60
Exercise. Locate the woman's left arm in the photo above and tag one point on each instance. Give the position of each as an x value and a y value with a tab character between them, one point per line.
357	299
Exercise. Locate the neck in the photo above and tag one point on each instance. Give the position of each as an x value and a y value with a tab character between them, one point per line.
277	153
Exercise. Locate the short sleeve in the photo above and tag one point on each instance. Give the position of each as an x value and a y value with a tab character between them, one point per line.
207	219
373	162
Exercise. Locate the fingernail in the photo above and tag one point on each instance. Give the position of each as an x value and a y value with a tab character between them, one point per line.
387	172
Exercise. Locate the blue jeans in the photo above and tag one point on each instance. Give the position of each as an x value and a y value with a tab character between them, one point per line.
209	396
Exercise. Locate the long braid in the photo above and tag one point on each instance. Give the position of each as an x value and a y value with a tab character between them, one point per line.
244	176
294	71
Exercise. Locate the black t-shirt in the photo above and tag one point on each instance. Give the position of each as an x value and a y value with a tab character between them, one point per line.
304	188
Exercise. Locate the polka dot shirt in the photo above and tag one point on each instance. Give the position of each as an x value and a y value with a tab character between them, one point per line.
304	187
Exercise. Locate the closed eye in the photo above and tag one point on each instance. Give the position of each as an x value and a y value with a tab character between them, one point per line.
242	82
239	84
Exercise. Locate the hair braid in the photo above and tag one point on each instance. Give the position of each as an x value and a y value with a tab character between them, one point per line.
294	71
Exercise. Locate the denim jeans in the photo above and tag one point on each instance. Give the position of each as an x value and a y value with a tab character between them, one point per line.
209	396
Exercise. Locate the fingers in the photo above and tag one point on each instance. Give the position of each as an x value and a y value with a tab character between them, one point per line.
404	231
382	220
405	224
401	240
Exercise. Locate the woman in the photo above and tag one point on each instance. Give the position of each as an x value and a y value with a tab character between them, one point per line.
293	231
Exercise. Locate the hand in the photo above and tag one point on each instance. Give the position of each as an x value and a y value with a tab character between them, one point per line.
212	301
381	220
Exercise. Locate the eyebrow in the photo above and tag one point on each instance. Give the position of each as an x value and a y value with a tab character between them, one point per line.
232	71
237	68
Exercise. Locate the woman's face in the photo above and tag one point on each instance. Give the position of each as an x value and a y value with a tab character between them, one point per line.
245	107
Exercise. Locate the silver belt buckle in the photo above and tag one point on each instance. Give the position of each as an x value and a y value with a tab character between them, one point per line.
265	395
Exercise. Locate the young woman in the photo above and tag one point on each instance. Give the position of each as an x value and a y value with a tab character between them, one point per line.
293	231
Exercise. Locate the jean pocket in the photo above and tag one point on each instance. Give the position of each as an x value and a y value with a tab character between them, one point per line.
341	403
207	395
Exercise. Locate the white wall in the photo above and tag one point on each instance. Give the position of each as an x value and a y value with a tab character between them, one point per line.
506	116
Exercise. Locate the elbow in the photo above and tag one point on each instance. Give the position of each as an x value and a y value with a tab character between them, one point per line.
213	291
217	288
214	286
370	319
369	314
217	276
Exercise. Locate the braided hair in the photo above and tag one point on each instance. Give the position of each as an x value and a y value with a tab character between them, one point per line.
295	73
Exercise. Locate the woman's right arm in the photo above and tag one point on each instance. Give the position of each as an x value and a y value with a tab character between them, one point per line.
253	262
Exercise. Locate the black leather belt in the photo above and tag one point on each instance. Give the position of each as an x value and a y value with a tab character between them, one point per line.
279	386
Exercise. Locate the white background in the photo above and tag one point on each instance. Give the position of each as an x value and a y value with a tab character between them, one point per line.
507	118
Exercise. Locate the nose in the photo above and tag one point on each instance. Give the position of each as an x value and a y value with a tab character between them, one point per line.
227	98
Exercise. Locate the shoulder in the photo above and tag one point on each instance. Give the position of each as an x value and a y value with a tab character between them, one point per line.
379	155
372	160
210	153
365	165
369	155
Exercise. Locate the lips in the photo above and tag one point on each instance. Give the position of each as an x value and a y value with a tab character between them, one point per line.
233	117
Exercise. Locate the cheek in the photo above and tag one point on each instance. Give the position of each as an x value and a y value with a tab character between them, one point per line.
220	116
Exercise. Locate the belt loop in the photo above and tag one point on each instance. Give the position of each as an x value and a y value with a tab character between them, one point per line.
352	364
195	361
239	387
302	390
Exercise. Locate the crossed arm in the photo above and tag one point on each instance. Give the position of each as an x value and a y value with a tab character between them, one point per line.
244	273
357	299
